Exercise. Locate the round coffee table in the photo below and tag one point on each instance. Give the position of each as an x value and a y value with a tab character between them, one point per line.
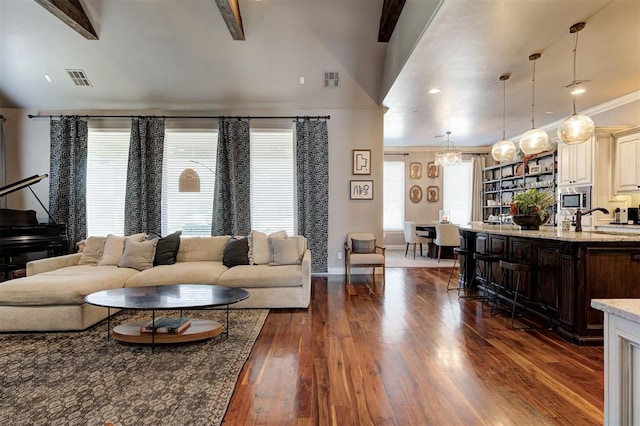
167	297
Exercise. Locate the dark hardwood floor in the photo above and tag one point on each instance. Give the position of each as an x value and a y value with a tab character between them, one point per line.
411	353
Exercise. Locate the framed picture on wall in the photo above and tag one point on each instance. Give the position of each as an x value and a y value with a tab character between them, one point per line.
361	162
361	190
432	169
433	194
415	194
415	170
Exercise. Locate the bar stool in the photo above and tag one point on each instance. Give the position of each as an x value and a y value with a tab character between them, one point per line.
457	252
489	260
517	269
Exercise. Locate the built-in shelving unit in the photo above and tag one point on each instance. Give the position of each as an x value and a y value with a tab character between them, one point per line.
503	181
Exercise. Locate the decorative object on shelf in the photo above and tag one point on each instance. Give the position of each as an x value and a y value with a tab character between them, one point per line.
504	150
577	128
449	156
535	140
433	194
415	170
535	169
415	193
361	190
529	208
361	162
519	170
432	169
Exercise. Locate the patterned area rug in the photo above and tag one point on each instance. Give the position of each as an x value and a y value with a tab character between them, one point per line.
80	378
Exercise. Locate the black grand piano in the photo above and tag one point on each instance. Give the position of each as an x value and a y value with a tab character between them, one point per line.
21	233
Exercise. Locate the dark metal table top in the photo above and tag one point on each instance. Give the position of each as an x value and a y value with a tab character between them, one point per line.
179	296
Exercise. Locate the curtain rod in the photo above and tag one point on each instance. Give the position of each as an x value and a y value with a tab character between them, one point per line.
293	117
396	153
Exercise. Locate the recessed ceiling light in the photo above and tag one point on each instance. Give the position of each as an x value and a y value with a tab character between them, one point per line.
434	91
48	78
548	112
578	91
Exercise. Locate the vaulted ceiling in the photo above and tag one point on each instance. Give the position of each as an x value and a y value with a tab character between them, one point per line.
241	55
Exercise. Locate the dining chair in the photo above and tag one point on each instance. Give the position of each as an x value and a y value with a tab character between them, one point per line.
412	237
447	235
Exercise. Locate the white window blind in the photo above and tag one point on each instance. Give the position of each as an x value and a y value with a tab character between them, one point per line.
457	192
272	181
393	196
190	212
107	157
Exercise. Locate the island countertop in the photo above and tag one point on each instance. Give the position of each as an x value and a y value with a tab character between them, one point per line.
625	308
555	233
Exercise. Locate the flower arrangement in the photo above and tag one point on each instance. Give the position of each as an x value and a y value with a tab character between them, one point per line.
532	202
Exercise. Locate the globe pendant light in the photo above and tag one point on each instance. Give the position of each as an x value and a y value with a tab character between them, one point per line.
450	156
577	128
503	150
535	140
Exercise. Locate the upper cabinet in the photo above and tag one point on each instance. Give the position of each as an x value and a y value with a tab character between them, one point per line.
575	164
628	163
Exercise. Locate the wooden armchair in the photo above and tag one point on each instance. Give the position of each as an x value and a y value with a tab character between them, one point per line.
365	253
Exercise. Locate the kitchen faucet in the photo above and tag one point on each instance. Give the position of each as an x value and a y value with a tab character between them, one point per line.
580	213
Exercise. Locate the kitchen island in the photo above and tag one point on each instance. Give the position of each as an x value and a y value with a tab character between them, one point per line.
569	269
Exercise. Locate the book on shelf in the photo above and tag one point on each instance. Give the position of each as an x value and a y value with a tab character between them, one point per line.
166	325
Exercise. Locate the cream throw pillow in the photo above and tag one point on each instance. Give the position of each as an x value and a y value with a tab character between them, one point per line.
114	247
138	255
92	251
259	251
285	251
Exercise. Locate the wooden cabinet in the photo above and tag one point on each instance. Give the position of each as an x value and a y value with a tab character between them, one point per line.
502	182
575	165
628	163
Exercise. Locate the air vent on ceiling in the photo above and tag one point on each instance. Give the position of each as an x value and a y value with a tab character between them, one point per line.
79	78
331	79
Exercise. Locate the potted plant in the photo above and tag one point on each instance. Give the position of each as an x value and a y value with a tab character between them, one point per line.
529	208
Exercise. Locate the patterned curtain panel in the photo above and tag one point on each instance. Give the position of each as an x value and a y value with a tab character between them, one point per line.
3	164
68	176
231	198
143	196
312	158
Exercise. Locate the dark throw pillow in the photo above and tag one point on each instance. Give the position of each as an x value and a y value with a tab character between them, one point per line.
236	252
167	249
363	246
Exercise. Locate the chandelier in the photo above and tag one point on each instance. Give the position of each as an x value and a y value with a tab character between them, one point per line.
578	128
535	140
450	155
504	150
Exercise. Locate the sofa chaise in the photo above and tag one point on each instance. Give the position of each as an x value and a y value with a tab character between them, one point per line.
276	271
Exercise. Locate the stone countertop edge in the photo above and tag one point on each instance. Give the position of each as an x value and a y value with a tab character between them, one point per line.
625	308
554	233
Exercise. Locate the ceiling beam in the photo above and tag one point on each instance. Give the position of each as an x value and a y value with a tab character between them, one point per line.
390	14
71	13
230	11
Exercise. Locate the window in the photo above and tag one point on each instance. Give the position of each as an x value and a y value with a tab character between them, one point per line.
107	158
272	181
190	212
457	192
393	195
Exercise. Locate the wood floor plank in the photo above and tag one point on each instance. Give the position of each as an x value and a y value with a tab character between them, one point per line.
405	351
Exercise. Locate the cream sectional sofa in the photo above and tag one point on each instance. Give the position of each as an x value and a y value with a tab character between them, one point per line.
51	296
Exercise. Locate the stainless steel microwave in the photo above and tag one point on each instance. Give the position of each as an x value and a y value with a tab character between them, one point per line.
575	197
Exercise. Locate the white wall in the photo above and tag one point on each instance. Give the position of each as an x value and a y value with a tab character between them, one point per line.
28	154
